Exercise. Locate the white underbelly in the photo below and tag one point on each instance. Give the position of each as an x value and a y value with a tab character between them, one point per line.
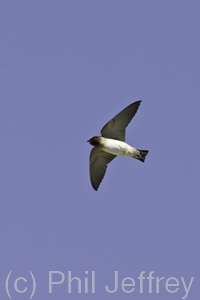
117	148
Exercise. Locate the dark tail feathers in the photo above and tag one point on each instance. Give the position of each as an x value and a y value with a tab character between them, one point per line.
142	155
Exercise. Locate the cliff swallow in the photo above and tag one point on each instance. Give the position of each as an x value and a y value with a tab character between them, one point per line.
112	143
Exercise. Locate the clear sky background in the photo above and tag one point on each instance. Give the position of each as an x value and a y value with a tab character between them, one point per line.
66	68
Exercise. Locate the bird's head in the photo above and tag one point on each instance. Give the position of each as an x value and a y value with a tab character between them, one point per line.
94	141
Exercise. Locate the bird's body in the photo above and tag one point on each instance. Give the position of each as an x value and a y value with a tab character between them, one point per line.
116	147
112	143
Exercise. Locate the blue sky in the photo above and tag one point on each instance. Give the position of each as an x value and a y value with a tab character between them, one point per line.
66	68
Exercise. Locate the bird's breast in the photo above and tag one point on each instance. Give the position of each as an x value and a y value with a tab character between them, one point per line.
116	147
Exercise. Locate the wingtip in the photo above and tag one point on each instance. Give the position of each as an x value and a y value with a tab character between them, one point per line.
95	188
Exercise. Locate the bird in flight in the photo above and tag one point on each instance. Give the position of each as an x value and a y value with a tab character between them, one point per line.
112	143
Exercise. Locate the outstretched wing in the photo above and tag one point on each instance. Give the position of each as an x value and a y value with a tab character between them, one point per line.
116	127
98	165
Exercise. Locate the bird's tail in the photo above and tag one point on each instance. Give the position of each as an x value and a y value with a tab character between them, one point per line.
142	154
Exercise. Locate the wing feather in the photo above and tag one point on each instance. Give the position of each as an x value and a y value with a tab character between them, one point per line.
116	127
98	165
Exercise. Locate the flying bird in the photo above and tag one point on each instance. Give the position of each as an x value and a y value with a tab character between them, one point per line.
112	143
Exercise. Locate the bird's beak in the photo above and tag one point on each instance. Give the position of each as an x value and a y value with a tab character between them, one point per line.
88	141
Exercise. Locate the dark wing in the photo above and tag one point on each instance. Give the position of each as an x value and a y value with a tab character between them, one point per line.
98	165
116	127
